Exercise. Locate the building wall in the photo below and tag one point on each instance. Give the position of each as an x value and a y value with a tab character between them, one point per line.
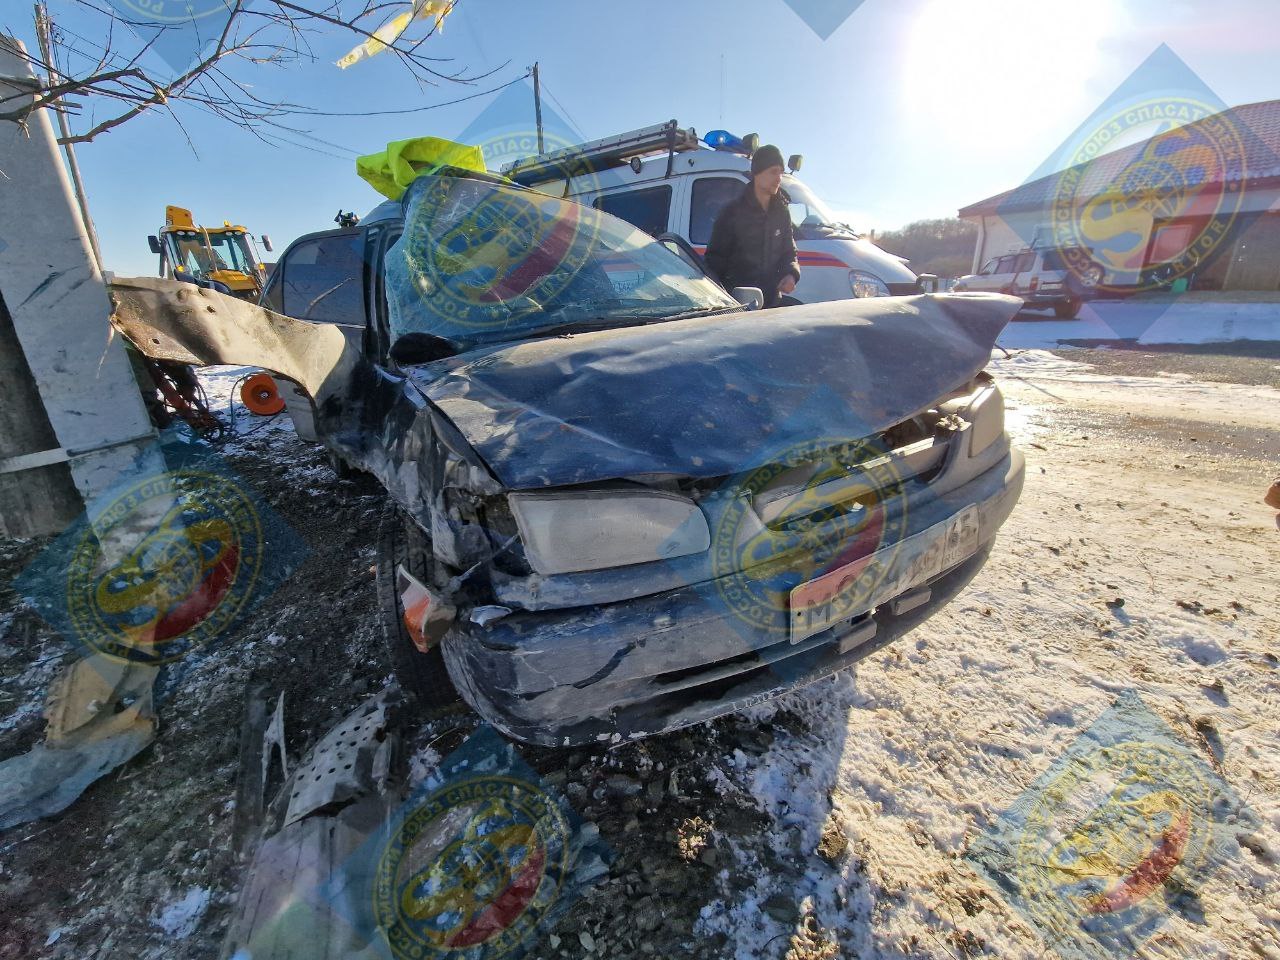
1247	259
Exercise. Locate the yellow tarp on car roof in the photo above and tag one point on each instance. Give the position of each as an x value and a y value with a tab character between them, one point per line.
390	171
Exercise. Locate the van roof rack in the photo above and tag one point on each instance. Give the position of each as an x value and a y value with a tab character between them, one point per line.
604	154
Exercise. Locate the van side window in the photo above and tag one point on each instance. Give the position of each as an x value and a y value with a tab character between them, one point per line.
710	196
322	280
647	209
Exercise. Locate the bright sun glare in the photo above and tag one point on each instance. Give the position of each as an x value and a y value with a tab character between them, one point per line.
963	53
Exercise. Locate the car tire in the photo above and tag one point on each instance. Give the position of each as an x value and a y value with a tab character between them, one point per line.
422	675
1068	309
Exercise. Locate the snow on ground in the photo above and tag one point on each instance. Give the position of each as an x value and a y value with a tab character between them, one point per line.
1053	381
180	918
1129	564
1180	321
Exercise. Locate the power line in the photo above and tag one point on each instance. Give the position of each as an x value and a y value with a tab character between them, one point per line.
118	59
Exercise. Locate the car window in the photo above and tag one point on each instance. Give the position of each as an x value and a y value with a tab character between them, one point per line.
1024	262
322	279
647	209
1005	264
988	268
710	196
1057	259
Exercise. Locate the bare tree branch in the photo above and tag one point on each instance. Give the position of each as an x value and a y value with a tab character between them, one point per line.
256	34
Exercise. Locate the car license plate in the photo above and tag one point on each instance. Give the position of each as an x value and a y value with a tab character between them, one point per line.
866	583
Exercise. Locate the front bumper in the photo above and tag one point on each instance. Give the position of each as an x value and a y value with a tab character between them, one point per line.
634	668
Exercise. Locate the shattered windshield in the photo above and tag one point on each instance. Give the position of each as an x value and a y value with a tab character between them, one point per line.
484	262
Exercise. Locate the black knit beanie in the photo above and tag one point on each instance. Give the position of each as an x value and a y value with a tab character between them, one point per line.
766	157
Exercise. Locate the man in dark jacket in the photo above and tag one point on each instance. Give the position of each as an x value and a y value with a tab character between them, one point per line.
752	243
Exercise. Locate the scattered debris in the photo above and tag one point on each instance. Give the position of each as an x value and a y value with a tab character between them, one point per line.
834	841
1195	606
100	717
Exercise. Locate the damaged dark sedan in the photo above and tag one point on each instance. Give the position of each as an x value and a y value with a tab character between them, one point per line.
623	503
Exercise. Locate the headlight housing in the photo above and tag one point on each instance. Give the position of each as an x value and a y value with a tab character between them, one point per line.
598	529
865	284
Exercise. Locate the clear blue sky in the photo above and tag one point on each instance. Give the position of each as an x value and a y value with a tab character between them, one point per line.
911	109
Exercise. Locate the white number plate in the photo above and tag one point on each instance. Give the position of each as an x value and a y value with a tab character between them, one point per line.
859	586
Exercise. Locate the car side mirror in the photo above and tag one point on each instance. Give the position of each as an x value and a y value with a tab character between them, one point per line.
266	243
750	297
154	243
415	348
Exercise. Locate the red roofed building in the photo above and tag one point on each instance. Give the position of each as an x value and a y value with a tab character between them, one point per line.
1200	200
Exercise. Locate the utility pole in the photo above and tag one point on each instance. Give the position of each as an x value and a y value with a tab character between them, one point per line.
45	35
537	108
72	420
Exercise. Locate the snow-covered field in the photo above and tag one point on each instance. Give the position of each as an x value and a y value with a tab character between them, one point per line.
1137	559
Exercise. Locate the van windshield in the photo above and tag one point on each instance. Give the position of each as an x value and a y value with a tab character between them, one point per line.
482	262
805	207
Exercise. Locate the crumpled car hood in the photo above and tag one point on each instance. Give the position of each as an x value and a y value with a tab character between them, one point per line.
712	396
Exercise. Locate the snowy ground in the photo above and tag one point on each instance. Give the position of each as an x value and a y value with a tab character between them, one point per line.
1140	489
1184	320
832	823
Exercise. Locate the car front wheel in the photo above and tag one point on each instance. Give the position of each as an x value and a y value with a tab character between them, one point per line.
401	542
1068	309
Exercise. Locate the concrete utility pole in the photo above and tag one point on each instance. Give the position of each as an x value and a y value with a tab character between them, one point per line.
537	109
45	35
72	419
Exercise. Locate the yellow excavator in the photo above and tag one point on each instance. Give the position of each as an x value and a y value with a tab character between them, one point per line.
223	258
220	258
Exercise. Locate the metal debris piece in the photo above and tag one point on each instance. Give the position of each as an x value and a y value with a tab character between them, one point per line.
100	717
274	738
353	759
299	894
259	736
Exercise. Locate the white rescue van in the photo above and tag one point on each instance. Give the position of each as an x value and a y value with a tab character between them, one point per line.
664	179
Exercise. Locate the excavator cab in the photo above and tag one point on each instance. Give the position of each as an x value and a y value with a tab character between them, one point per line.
224	257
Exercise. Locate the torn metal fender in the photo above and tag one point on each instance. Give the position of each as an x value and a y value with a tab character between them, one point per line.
168	320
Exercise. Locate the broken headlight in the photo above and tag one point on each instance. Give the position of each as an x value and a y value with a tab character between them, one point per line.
569	532
983	408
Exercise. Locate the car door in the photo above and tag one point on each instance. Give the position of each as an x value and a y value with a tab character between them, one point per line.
985	279
1001	278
